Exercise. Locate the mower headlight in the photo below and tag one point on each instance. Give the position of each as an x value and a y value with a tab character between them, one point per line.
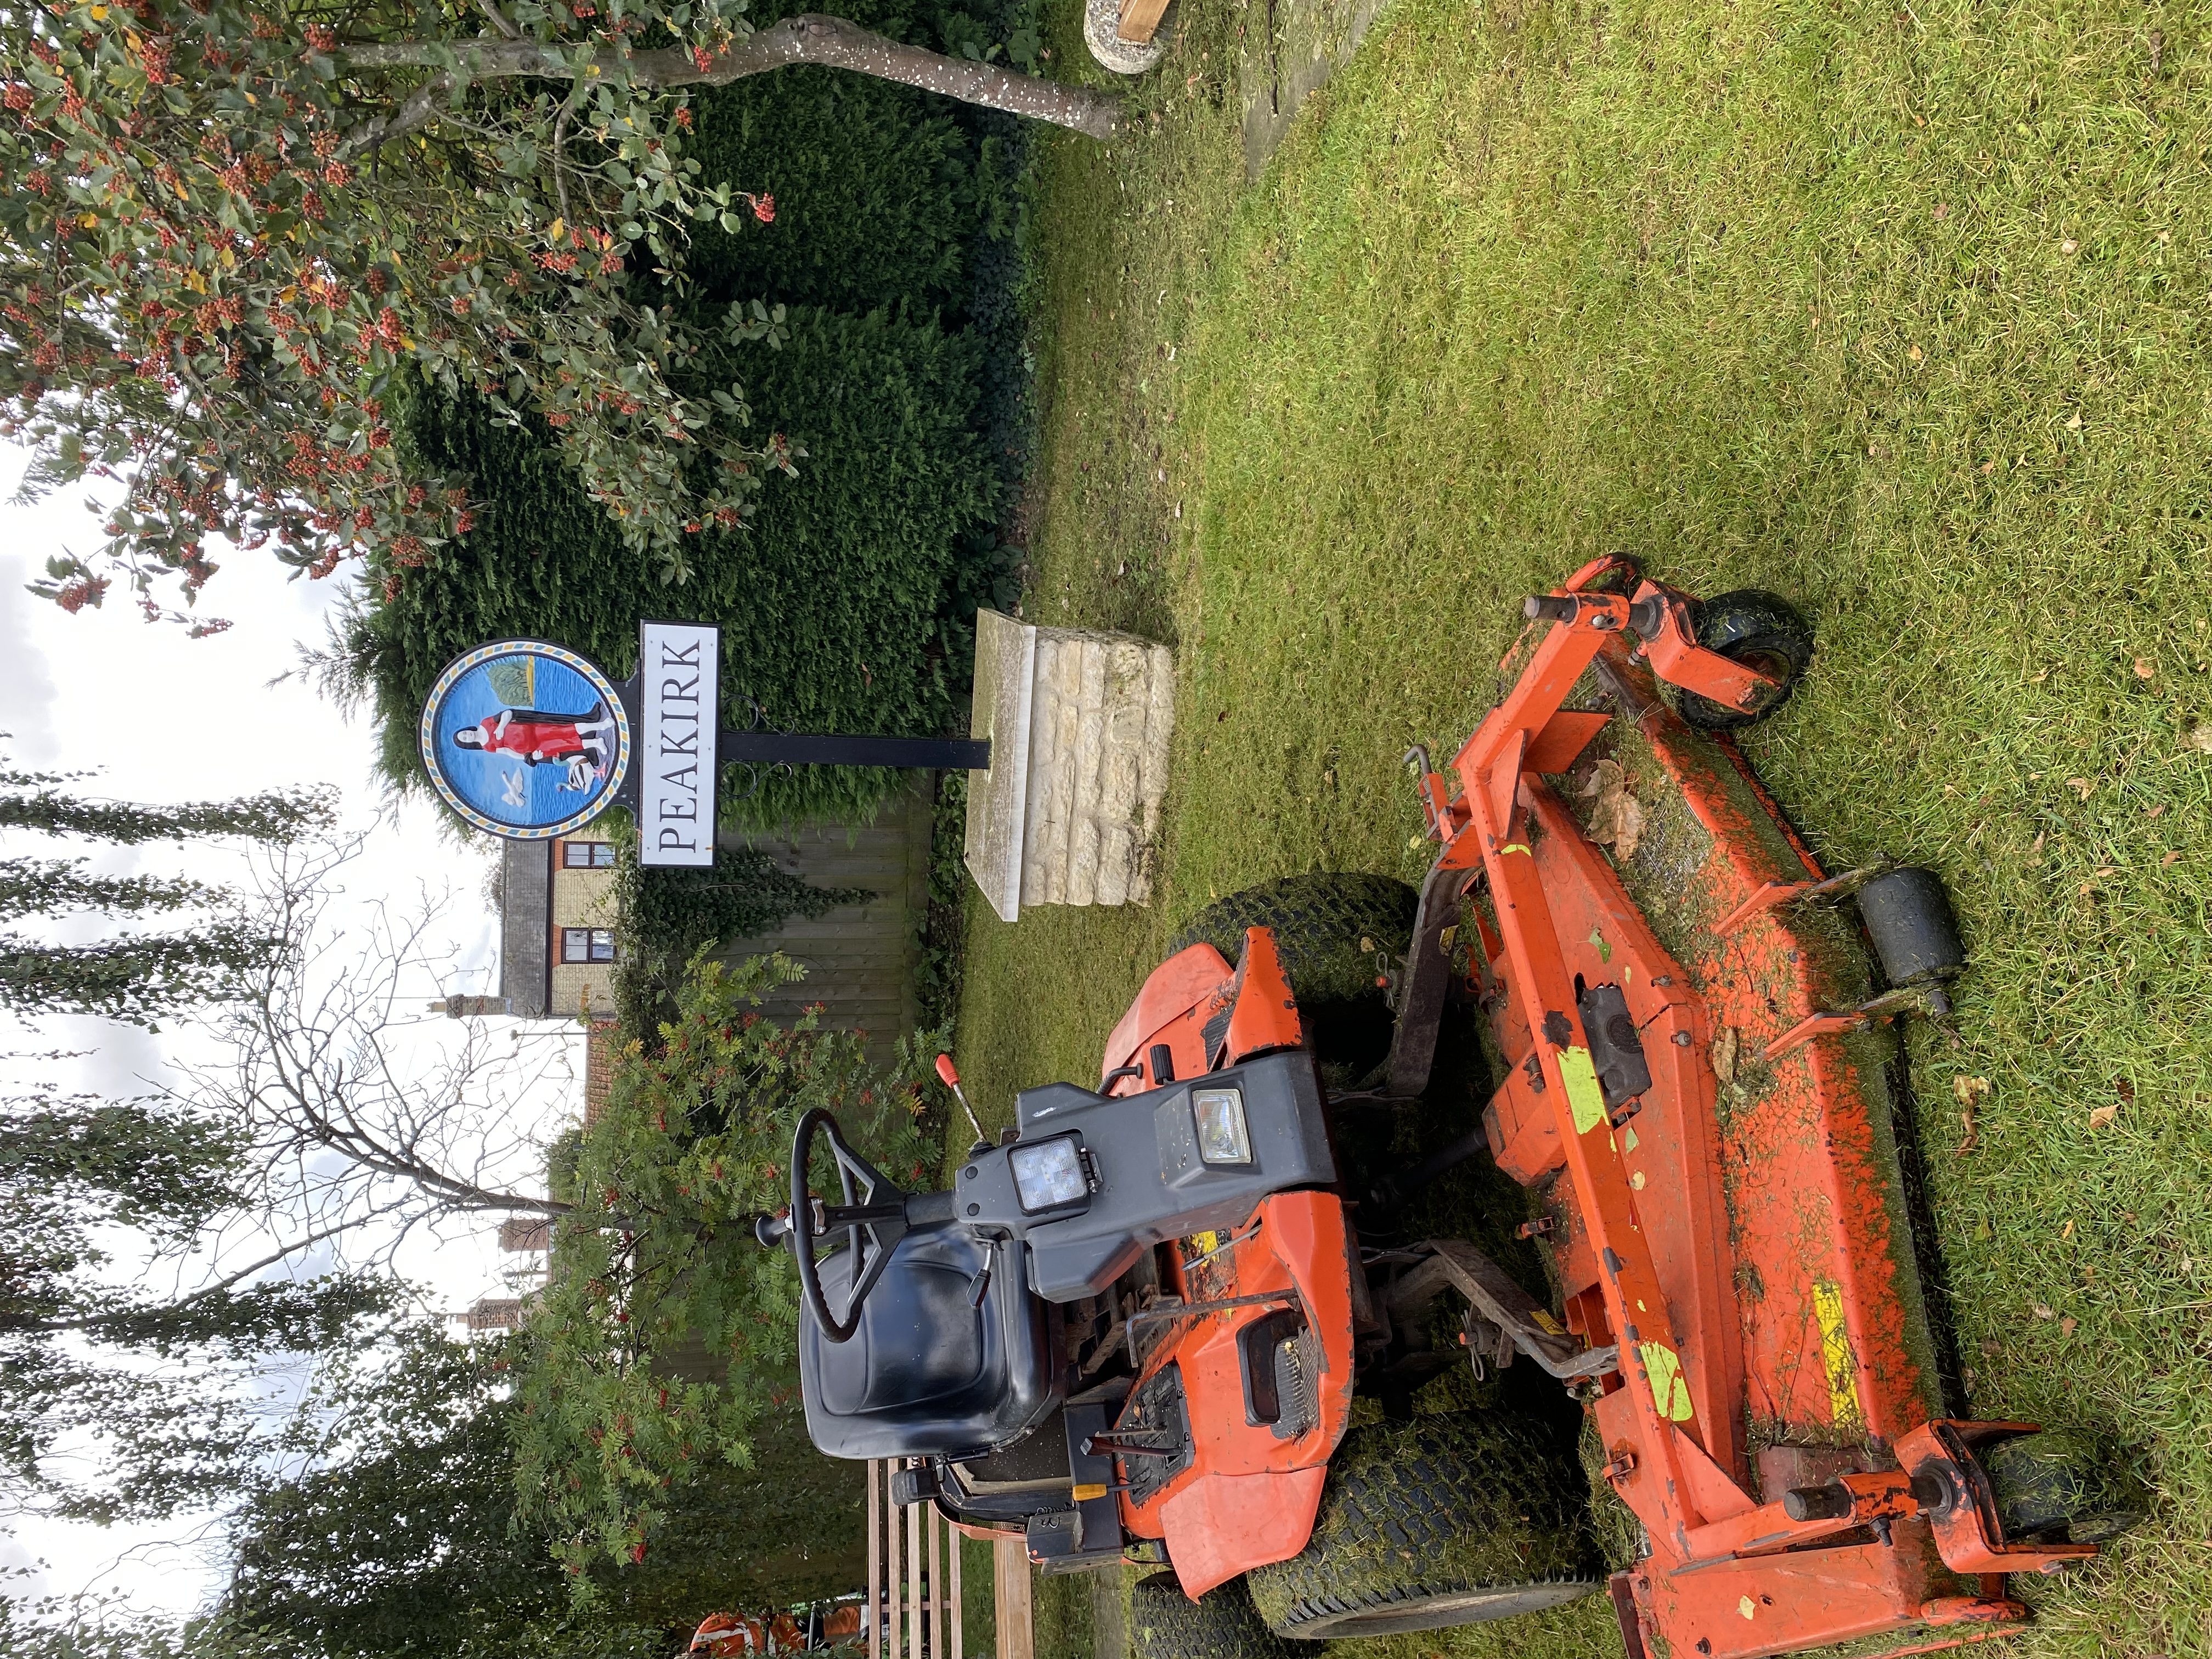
1049	1174
1222	1137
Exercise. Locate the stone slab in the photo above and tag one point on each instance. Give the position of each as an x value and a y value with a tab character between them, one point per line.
997	798
1290	49
1068	813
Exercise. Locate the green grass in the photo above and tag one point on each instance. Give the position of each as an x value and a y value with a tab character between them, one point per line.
1901	311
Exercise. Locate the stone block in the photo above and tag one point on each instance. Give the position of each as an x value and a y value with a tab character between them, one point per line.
1079	723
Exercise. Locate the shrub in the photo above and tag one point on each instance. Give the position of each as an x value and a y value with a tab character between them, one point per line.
875	188
669	915
665	1338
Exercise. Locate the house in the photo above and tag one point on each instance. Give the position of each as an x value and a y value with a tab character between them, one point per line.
557	948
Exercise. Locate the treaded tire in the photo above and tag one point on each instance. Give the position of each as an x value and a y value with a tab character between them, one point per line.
2062	1485
1165	1623
1451	1519
1319	921
1759	630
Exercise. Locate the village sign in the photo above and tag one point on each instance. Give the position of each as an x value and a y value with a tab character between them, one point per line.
531	741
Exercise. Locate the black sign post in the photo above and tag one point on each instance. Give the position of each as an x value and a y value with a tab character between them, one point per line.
758	748
673	699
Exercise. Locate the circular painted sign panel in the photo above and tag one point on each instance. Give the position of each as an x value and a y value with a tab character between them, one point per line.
524	739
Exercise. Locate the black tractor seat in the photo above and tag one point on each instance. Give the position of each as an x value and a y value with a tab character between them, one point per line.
942	1365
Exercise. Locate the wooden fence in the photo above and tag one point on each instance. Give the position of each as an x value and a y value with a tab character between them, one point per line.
860	959
914	1603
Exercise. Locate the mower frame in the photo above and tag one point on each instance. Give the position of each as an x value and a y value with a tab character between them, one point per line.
1762	1265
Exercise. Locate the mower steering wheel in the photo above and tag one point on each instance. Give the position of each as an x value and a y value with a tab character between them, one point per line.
873	1217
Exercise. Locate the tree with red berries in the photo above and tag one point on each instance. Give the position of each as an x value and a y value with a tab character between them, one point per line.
232	230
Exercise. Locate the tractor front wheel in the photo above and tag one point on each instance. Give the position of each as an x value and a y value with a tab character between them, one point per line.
1165	1623
1452	1518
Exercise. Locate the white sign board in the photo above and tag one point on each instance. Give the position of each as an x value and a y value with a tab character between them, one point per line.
679	669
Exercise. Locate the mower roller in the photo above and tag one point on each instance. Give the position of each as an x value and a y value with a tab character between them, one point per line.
1136	1327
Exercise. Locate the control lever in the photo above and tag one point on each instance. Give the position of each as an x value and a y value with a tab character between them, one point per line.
771	1231
951	1080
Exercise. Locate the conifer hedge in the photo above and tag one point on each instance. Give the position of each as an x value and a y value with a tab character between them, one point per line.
831	599
846	600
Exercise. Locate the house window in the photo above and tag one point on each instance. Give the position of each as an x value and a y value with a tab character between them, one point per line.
587	854
587	944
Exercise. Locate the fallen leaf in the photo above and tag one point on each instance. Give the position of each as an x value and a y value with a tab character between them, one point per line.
1970	1089
2199	737
1942	211
1988	467
2068	1326
2170	859
2125	1089
2035	851
2144	670
2081	786
1724	1052
2102	1116
1913	353
1625	823
2070	245
2042	1312
1366	946
2067	1231
1972	1137
1605	775
2039	676
2154	811
2074	422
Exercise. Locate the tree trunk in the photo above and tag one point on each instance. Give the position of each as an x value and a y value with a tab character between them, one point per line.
808	38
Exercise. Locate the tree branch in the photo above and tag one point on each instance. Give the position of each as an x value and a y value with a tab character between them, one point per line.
91	1322
810	38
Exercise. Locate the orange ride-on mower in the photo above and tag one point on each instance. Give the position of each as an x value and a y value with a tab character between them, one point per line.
1136	1327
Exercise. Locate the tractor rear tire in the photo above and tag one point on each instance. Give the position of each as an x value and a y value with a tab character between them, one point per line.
1165	1623
1453	1518
1336	933
1760	630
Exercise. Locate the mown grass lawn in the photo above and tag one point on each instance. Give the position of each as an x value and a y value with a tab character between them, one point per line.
1902	310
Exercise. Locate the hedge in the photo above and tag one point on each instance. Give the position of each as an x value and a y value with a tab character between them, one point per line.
875	187
836	600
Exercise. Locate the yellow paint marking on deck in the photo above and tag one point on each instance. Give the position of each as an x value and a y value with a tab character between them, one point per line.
1663	1367
1585	1099
1844	1410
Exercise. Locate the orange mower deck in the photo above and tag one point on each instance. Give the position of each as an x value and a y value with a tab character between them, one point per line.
1736	1228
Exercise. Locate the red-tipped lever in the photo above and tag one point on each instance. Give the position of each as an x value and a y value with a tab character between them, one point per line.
951	1080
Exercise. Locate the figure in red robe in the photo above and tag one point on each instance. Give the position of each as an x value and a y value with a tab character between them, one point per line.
536	739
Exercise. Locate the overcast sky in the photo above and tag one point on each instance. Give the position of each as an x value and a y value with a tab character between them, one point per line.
166	718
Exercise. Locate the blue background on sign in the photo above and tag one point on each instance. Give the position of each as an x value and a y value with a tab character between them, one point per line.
481	779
